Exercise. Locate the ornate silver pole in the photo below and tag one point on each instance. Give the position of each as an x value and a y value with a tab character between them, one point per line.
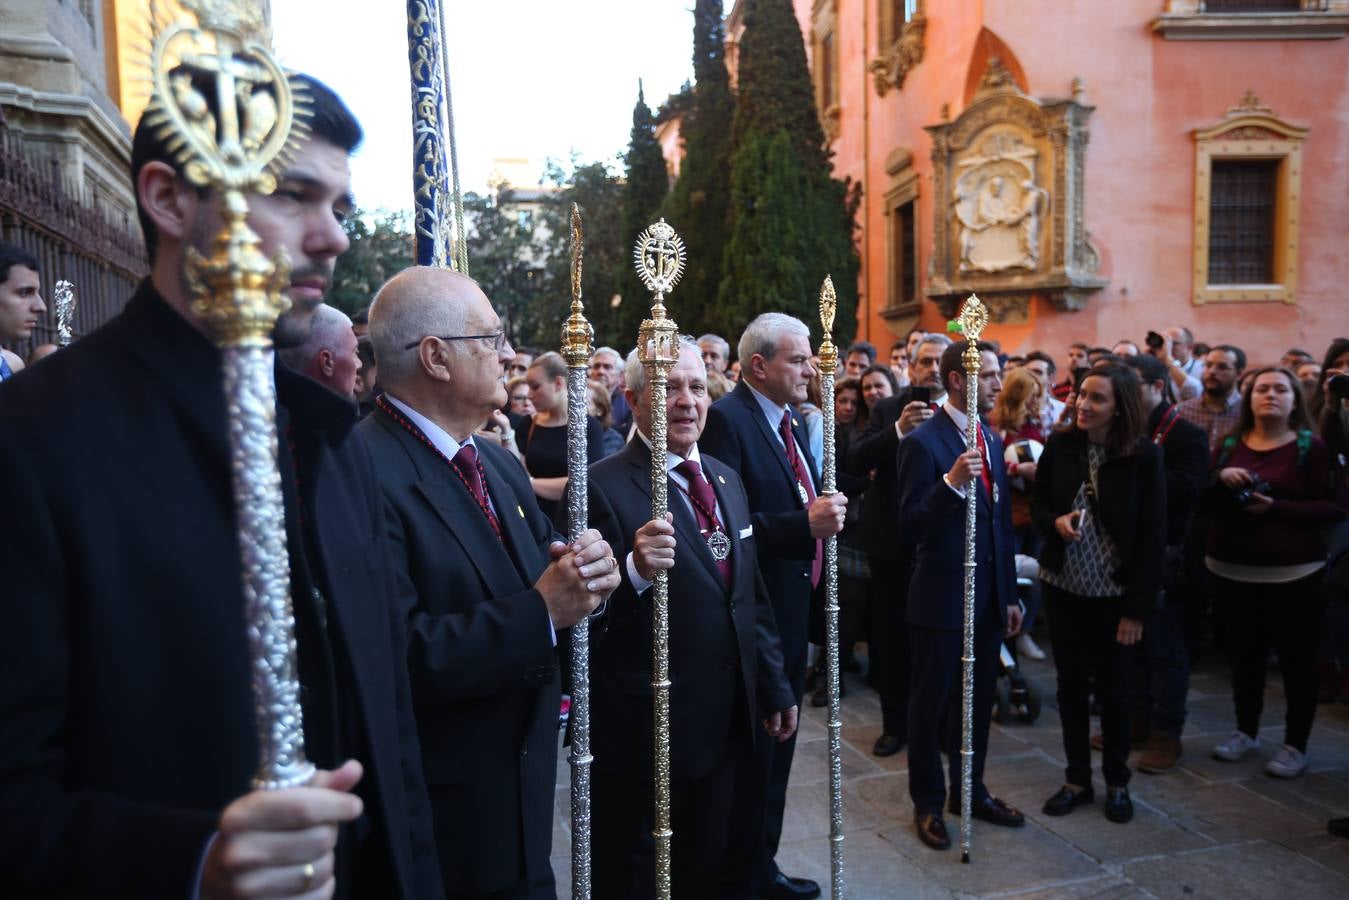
64	303
973	318
577	338
236	291
828	366
452	219
659	259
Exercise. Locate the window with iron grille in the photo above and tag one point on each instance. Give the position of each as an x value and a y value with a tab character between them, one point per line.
904	256
1243	6
1244	199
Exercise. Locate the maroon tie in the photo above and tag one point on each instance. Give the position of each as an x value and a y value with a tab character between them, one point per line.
470	472
985	474
704	501
803	480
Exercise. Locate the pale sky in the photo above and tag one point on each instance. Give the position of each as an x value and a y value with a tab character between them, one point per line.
530	78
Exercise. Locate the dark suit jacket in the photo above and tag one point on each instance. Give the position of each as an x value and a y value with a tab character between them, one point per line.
126	709
724	645
482	659
875	450
935	516
1185	455
1131	494
738	434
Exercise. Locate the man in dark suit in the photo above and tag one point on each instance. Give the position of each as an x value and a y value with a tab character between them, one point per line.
126	708
725	656
487	584
873	456
936	469
753	430
1160	711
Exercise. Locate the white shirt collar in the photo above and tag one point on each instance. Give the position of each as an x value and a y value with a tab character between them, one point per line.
438	436
672	460
957	416
772	411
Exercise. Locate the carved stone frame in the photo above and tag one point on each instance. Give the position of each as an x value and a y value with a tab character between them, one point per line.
824	23
1188	20
1065	273
1250	131
900	54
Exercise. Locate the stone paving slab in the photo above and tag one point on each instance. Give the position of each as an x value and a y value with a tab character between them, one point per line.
1256	870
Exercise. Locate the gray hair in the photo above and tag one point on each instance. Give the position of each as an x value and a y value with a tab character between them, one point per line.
720	342
933	337
396	321
325	329
761	336
618	357
634	373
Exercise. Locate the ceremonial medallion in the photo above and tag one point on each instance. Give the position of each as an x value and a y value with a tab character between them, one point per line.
719	544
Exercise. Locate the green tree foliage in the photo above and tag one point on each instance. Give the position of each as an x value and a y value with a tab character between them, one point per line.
644	191
504	258
790	221
381	247
599	194
698	202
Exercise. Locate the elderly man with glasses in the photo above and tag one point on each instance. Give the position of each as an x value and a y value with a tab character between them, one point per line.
486	583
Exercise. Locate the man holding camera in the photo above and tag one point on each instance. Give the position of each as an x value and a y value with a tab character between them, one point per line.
1172	347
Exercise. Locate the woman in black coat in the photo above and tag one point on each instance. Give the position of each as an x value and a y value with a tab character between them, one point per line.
1100	503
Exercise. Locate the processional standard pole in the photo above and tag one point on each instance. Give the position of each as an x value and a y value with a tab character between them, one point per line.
973	318
63	296
659	259
437	205
236	291
828	366
577	343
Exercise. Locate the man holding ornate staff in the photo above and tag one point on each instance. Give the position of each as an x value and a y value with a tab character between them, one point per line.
129	735
485	580
755	432
936	469
725	656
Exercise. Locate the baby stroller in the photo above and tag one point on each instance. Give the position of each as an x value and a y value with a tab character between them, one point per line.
1014	697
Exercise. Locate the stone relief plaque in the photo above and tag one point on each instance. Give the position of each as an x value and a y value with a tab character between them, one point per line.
1008	182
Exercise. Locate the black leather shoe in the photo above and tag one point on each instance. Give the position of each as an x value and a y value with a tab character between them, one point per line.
932	831
821	695
992	810
784	888
887	745
1065	801
1118	807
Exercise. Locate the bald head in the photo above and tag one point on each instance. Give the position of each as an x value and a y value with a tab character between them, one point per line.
418	302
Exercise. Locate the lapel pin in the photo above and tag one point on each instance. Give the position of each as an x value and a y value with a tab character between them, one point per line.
520	510
795	424
721	478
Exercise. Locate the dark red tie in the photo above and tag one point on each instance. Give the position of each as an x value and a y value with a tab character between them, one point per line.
470	472
803	479
704	501
986	474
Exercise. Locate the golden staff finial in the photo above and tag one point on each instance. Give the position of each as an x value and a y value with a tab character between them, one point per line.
828	307
577	334
971	321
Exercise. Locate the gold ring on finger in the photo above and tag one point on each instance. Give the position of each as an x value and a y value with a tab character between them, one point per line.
308	875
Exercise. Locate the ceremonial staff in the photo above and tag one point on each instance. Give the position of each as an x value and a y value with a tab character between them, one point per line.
64	297
973	318
577	337
229	149
438	218
659	259
828	366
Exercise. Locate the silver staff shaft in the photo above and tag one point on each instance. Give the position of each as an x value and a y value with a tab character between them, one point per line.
828	366
660	645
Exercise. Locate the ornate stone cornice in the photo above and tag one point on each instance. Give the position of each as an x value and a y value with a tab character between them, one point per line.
1188	20
894	65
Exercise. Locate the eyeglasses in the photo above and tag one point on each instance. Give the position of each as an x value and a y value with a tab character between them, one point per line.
496	341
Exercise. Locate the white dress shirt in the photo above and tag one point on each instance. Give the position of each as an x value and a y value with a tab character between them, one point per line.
640	584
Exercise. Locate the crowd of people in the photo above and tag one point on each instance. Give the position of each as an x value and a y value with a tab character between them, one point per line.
1141	496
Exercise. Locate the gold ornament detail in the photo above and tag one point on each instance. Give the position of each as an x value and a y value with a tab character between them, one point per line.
577	334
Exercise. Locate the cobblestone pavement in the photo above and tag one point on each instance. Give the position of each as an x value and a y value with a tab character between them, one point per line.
1205	829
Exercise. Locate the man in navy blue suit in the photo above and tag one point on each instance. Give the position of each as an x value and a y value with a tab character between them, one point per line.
936	469
755	432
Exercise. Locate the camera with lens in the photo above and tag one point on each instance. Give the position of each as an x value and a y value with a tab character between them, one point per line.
1337	386
1154	340
1244	495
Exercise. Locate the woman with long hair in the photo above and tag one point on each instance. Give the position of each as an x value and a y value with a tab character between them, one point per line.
545	445
1016	412
1100	504
877	382
1270	502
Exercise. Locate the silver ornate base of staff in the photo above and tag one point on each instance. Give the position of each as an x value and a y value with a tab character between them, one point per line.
828	366
659	259
577	337
973	318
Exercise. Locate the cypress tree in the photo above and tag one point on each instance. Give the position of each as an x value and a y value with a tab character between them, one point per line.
645	190
698	202
790	221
